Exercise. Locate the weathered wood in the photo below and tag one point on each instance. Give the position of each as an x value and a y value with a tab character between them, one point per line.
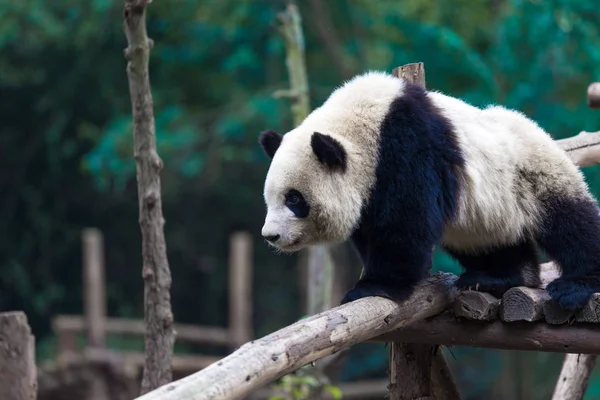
68	324
583	148
591	311
410	371
476	305
574	377
442	382
93	284
555	314
593	95
18	374
240	288
413	73
523	304
447	330
264	360
155	271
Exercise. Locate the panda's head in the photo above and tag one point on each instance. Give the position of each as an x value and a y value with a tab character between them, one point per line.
306	189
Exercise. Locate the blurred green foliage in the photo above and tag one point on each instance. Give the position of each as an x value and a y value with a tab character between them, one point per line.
66	143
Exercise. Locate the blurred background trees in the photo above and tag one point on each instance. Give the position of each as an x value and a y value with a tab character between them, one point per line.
66	144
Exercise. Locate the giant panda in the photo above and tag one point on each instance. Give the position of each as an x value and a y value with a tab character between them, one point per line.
398	170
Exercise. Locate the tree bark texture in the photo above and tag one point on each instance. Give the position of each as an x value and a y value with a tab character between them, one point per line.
159	337
410	371
266	359
574	377
447	330
18	373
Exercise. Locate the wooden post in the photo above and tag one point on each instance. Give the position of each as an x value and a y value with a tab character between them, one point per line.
574	376
240	288
95	303
18	374
411	364
410	371
93	287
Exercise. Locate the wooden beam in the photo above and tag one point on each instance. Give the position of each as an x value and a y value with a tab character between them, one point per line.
18	373
263	360
447	330
63	324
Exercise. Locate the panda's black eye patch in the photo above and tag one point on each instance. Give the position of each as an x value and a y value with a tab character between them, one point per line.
296	203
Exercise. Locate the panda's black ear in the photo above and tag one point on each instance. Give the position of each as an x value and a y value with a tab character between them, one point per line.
270	141
328	150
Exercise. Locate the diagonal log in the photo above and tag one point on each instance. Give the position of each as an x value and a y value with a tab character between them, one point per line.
261	361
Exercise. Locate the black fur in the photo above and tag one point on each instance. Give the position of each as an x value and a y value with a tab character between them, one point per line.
416	192
328	150
570	235
270	142
500	268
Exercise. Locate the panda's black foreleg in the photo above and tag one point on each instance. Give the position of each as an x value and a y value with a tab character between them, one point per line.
570	235
392	268
498	269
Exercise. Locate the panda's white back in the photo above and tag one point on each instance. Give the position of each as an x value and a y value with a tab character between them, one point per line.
505	153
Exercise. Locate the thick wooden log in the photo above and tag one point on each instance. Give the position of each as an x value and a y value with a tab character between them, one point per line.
583	148
18	373
574	377
476	305
593	95
591	311
447	330
264	360
410	371
523	304
555	315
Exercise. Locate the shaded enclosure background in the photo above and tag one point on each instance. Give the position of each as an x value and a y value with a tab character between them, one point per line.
66	143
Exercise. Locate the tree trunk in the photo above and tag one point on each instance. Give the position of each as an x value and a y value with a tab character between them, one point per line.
155	271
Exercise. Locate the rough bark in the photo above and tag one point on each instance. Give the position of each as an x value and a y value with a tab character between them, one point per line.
447	330
593	95
18	374
476	305
442	382
574	377
264	360
523	304
410	371
155	272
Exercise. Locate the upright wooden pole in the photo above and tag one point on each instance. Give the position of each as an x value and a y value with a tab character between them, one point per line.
240	288
158	315
410	363
574	377
93	284
18	374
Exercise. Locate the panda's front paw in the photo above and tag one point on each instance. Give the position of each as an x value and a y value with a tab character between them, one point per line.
369	288
572	294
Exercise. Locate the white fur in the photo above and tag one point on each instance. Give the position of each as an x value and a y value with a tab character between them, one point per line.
497	204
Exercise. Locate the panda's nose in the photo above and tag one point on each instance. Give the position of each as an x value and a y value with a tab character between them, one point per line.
272	238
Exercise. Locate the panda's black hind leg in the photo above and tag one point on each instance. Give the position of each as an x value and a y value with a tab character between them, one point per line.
570	234
498	269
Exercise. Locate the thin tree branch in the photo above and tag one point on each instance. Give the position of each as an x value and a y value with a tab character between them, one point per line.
158	316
